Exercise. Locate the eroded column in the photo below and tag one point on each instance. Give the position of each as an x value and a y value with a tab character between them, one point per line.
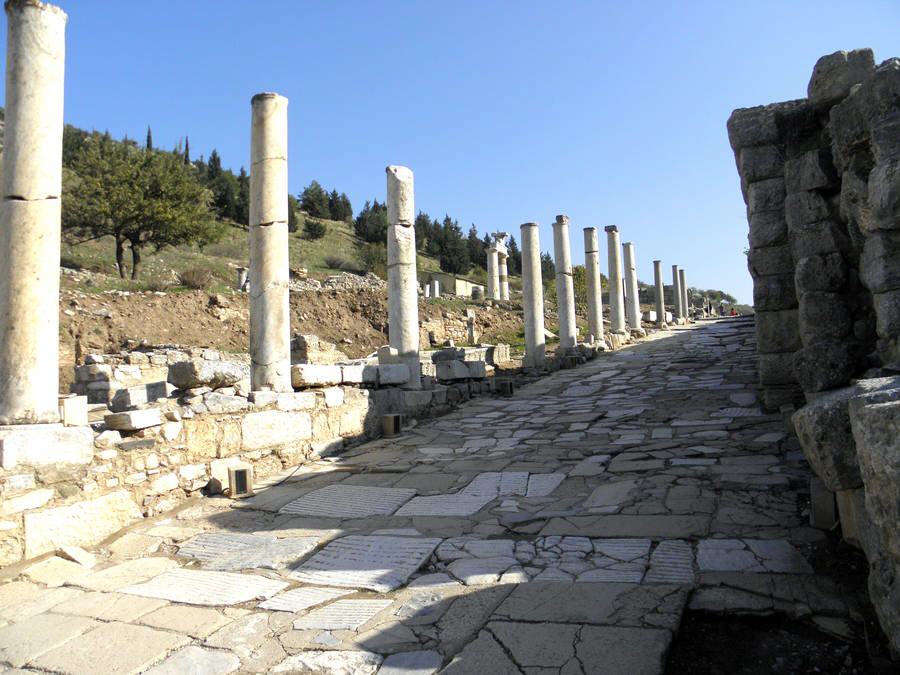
270	315
685	303
493	273
503	275
403	296
592	276
632	299
616	301
533	296
676	293
565	290
660	293
30	216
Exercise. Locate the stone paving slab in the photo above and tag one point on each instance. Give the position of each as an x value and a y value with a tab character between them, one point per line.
298	599
199	587
24	641
195	660
445	505
342	615
349	501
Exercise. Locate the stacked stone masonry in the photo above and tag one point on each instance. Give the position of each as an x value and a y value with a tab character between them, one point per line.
821	180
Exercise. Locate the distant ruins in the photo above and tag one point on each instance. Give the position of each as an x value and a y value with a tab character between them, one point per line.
821	179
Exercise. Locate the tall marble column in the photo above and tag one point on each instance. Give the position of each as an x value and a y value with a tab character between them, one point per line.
403	287
632	299
270	312
533	296
493	273
503	276
660	293
676	293
616	301
30	213
592	275
565	289
685	302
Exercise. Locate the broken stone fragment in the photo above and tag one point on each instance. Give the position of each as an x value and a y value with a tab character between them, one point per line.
134	420
202	373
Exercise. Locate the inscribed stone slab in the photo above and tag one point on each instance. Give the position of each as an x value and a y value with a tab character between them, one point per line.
342	615
298	599
350	501
445	505
358	561
201	587
542	484
496	483
671	562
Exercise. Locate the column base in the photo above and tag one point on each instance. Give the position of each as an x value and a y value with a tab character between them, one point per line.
45	444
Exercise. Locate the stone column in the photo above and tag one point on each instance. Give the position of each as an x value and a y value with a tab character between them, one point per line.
565	290
30	213
503	275
616	302
403	296
632	299
685	305
493	273
660	294
270	313
676	294
592	274
533	296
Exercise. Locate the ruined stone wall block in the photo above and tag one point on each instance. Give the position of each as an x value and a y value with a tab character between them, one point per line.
770	260
314	375
805	207
753	126
393	374
274	428
849	130
777	368
774	293
202	373
879	264
818	239
82	524
854	201
359	374
835	74
765	195
45	445
777	331
813	170
887	311
133	420
774	397
821	273
768	228
884	194
823	315
824	364
885	139
760	162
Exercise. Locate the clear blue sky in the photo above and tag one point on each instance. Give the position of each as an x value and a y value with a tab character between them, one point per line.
609	112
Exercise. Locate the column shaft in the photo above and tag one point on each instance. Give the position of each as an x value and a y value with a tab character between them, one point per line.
660	293
493	273
270	312
592	276
685	305
30	213
533	296
403	295
504	276
565	290
632	299
676	293
616	301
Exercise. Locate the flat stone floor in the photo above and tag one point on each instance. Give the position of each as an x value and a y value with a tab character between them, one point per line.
563	530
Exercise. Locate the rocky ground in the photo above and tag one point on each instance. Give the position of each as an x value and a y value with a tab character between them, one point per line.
576	527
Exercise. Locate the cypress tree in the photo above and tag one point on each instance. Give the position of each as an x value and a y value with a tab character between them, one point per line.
149	138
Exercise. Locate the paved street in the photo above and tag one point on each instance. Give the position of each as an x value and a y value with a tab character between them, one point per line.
563	530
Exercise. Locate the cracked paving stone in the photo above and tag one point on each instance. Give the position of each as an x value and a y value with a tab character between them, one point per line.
201	587
350	501
342	615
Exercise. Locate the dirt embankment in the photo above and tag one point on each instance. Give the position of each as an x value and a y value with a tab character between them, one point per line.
356	321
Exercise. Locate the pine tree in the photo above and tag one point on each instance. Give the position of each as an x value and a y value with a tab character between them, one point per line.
422	226
314	200
214	166
149	138
476	248
514	264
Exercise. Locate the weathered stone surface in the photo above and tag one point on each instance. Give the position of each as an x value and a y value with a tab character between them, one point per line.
818	238
109	607
879	264
197	622
778	332
133	420
274	428
81	524
835	74
203	373
45	445
757	163
768	228
126	573
774	293
197	587
197	661
24	641
823	365
342	615
765	195
823	316
813	170
821	273
412	663
330	663
777	368
315	375
638	651
767	260
350	501
485	649
823	427
298	599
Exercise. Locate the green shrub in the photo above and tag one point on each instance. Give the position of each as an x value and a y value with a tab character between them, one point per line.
314	229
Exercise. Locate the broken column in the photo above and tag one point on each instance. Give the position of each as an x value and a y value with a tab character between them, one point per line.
502	257
632	299
30	217
682	286
676	294
660	293
594	291
616	301
403	296
270	315
533	296
565	290
493	273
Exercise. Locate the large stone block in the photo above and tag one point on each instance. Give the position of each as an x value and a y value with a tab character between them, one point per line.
821	273
812	170
768	228
142	394
133	420
823	428
849	130
805	207
887	313
884	194
393	373
315	375
760	162
45	445
879	264
818	239
824	364
777	331
774	293
274	428
770	260
854	201
776	369
823	316
82	524
835	74
203	373
765	195
758	125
